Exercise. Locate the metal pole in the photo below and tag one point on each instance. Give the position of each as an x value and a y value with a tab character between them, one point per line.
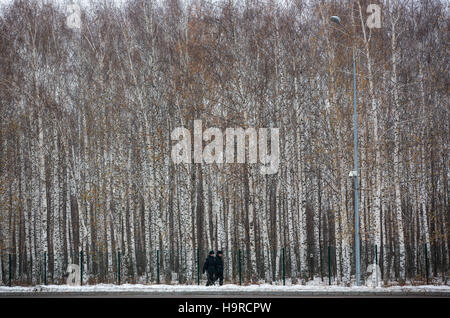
284	269
157	266
240	271
198	267
426	261
118	267
180	265
355	141
9	270
376	265
81	268
45	268
337	20
329	266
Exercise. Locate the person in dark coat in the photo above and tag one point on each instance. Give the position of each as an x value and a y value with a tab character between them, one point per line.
219	267
210	268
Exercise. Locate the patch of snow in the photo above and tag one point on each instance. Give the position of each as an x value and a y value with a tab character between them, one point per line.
161	288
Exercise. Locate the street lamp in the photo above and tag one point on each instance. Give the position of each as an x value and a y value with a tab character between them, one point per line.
335	19
354	173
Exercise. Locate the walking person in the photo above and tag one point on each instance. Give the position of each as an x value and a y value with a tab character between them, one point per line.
219	267
210	268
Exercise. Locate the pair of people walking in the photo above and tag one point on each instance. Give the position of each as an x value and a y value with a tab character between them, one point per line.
214	268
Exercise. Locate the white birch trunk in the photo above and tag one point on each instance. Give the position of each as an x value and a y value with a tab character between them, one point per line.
377	163
56	209
346	231
43	189
87	187
423	197
265	230
291	225
398	199
252	227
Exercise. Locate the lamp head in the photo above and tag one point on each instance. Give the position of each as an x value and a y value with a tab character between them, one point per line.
336	19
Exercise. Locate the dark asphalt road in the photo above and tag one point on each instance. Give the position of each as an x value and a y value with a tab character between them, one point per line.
233	294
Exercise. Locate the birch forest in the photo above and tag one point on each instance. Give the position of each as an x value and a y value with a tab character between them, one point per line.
86	117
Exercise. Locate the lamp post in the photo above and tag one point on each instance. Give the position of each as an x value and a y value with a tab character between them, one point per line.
354	173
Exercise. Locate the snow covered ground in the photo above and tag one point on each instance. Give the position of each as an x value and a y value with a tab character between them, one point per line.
229	289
